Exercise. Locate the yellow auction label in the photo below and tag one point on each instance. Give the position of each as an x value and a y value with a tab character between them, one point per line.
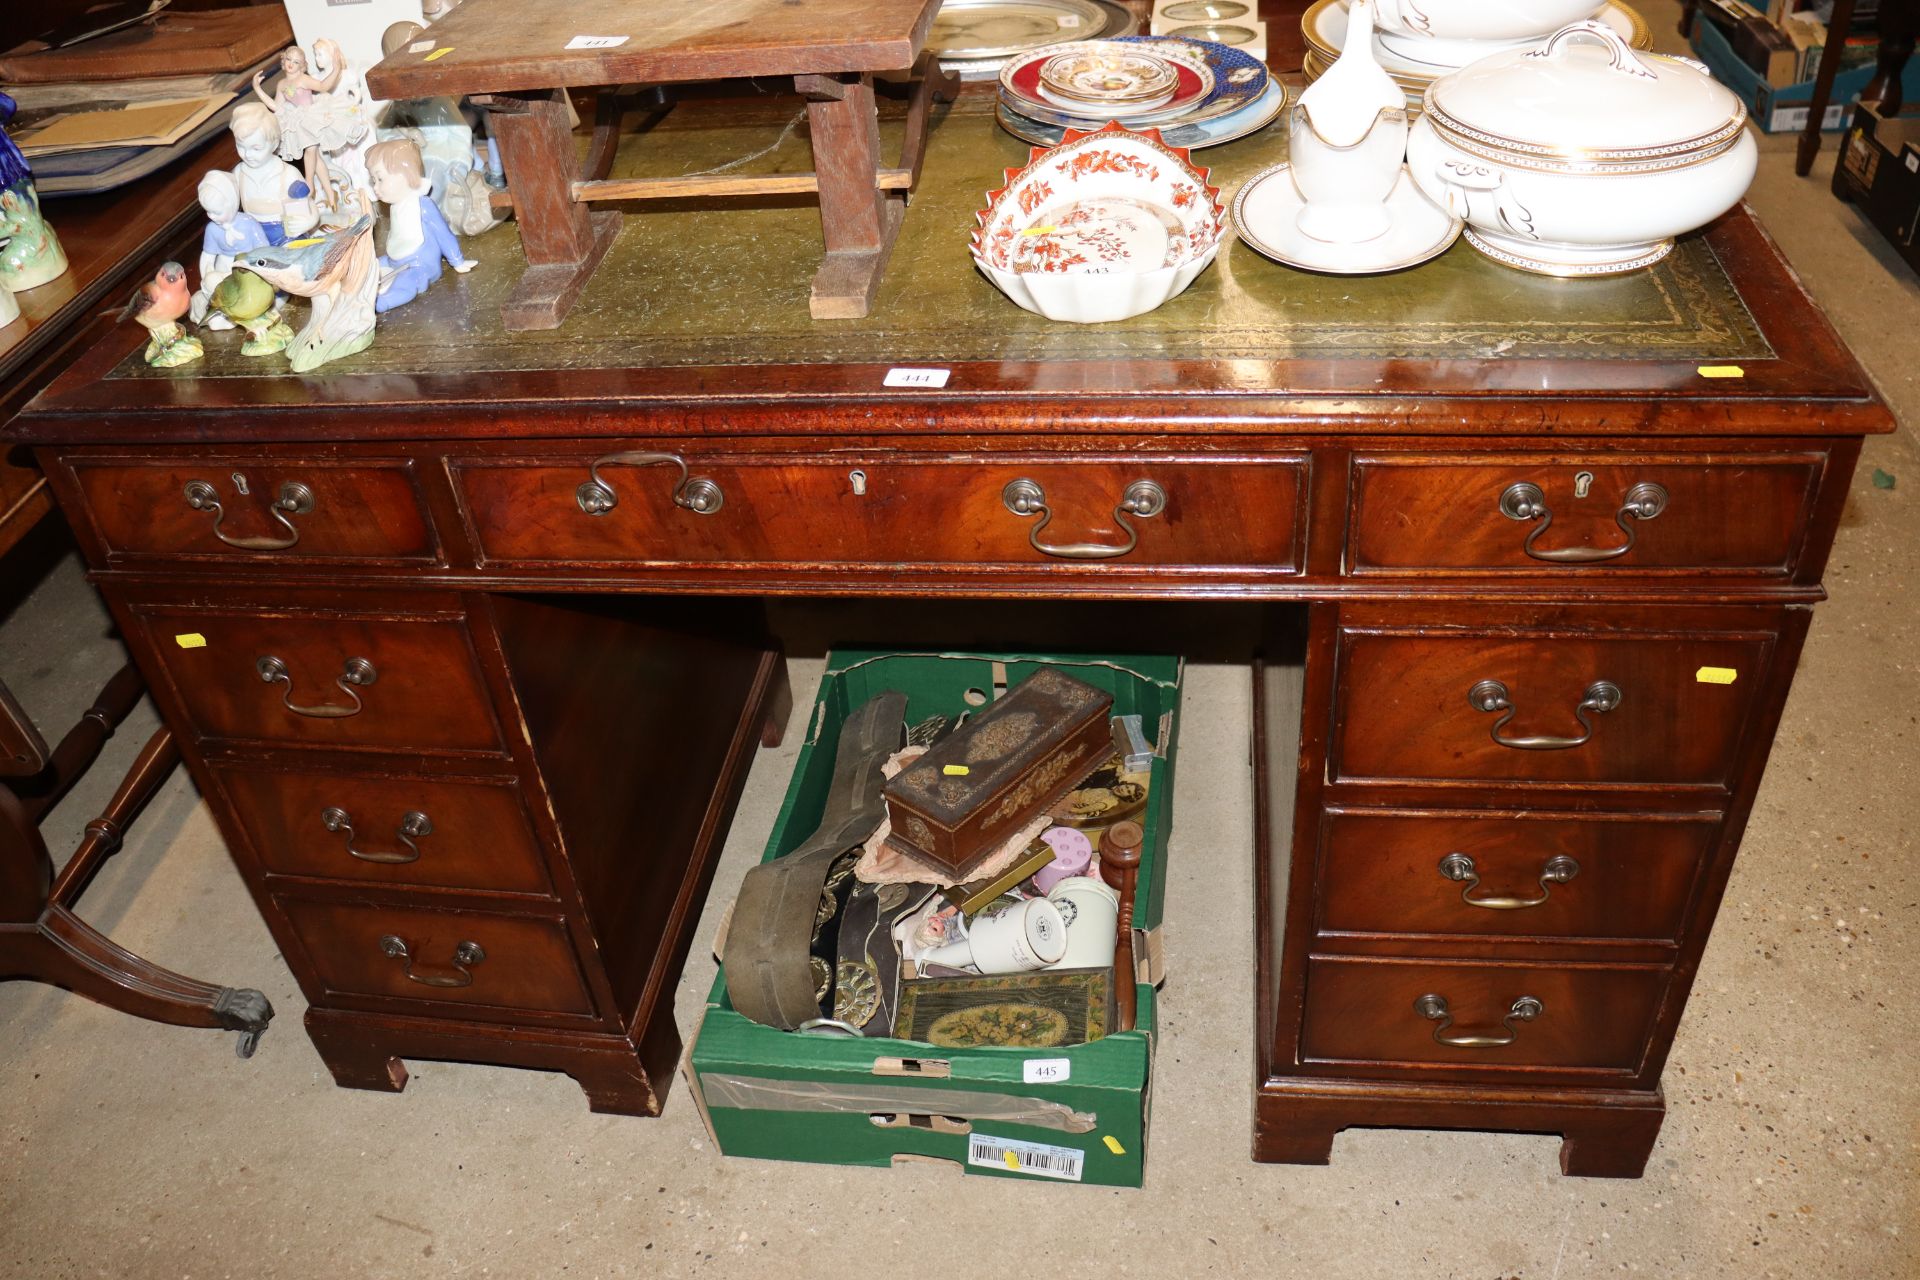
1722	371
1113	1145
956	771
191	640
1716	675
1013	1161
439	53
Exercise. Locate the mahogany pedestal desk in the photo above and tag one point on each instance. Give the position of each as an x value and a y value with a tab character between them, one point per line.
460	636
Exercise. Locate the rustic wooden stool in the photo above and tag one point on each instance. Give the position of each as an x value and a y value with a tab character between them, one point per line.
41	939
510	57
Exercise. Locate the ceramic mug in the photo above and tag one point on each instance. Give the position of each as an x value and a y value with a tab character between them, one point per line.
1011	936
1092	913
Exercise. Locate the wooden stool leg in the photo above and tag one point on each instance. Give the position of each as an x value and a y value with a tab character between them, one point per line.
858	220
562	240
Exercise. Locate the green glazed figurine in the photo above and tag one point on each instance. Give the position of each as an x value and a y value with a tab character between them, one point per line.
248	301
30	254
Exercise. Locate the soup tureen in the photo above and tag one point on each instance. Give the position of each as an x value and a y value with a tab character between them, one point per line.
1581	157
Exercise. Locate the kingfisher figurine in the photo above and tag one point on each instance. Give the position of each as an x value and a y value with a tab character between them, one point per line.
339	274
158	305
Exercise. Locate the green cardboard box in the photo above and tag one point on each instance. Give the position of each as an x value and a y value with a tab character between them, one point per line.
1074	1114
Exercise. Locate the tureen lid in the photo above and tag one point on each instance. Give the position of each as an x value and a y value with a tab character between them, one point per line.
1586	99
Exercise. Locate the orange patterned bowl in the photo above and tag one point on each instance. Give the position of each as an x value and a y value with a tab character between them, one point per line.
1107	225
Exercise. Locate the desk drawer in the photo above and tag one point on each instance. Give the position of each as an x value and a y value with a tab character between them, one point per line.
391	682
1531	876
492	964
895	511
1518	514
455	833
1545	706
1378	1011
289	508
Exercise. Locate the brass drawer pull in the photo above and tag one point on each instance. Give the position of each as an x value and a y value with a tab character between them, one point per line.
1490	695
1459	867
1434	1009
1143	499
295	500
1526	502
358	671
466	955
697	494
413	825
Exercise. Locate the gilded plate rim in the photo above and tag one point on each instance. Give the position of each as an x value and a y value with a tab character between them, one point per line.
1087	10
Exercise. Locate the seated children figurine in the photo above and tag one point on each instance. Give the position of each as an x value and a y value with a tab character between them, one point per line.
230	233
266	181
418	239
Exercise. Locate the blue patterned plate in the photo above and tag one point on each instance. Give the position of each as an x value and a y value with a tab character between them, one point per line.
1250	118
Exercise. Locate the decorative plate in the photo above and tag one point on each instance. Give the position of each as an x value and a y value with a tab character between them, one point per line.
1101	77
969	29
1206	11
1020	84
1207	133
1239	78
1116	20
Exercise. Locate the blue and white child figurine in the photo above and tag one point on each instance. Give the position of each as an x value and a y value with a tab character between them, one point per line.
230	233
418	238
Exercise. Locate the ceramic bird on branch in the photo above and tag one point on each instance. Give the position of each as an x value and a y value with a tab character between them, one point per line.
158	305
339	273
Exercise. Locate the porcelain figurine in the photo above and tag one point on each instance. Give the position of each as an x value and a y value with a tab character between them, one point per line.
158	305
1348	140
30	253
266	181
339	274
418	238
230	232
9	307
321	116
440	127
244	299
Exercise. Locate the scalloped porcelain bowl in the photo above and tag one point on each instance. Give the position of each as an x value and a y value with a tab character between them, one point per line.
1105	226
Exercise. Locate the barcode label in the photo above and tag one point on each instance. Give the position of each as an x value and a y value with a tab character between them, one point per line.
1036	1158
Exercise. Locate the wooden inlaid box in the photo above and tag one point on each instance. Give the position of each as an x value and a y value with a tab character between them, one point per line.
1008	765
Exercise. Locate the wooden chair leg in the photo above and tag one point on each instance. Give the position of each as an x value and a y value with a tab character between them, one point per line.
1823	86
858	220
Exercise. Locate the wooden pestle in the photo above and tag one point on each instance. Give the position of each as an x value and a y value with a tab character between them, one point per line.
1120	851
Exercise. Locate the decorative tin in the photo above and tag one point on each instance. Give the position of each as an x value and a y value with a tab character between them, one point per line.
1054	1008
964	798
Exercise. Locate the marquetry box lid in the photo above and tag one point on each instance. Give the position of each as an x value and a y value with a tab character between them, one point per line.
967	796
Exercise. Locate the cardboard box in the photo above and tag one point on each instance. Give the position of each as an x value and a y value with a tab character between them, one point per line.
1785	109
1879	169
1068	1114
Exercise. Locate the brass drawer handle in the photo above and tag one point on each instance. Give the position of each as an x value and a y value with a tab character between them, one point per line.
1459	867
1490	695
697	494
357	671
295	500
465	956
413	825
1143	499
1434	1009
1526	502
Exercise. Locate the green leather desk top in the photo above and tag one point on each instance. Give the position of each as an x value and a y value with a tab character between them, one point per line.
700	310
728	286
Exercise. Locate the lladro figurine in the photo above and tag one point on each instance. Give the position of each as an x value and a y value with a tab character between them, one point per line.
266	181
418	239
30	254
230	232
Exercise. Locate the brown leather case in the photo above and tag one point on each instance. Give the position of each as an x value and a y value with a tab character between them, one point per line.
1020	756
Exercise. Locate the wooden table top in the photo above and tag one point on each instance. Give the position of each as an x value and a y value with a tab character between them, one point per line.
691	326
493	46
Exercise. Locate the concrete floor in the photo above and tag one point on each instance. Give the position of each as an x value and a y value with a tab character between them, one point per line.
129	1149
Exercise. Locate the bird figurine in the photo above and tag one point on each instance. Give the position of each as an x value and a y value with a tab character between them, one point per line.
338	272
250	302
158	305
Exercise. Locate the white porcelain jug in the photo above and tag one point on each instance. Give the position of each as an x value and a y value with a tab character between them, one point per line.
1348	139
